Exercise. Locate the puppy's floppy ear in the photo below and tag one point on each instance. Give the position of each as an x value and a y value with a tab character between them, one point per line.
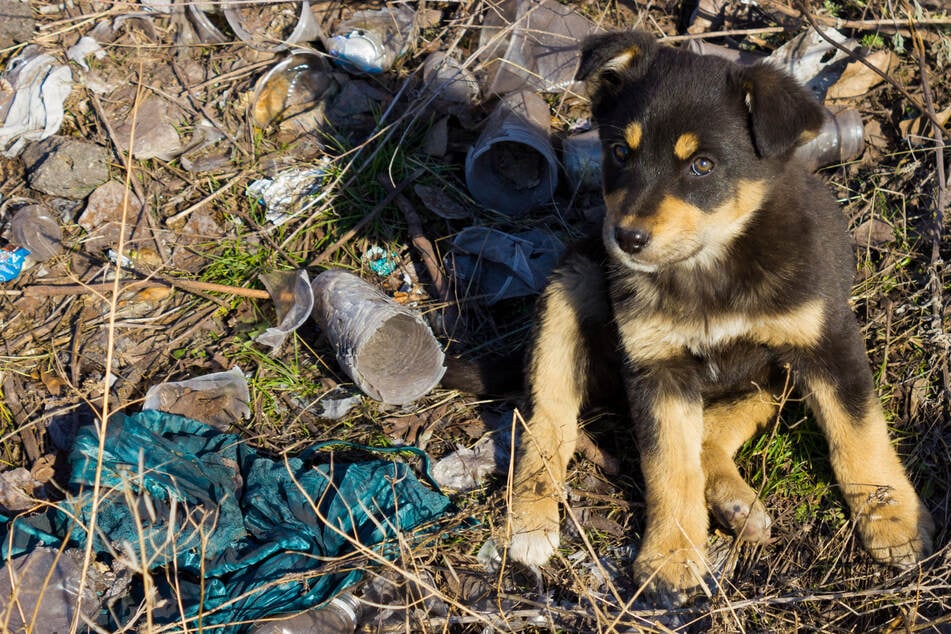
783	114
606	58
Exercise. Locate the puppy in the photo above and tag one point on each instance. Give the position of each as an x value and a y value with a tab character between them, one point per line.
722	261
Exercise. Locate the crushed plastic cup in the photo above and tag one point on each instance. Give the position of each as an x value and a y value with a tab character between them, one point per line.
294	300
449	80
220	399
387	349
531	44
841	139
370	41
34	228
297	84
512	166
204	17
272	26
39	591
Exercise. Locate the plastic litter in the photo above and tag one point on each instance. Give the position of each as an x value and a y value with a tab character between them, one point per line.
219	400
841	139
503	265
466	469
296	85
531	44
204	16
380	261
12	258
39	591
387	349
512	166
247	535
33	89
34	228
267	26
82	49
812	60
340	616
450	81
581	155
370	41
292	296
288	193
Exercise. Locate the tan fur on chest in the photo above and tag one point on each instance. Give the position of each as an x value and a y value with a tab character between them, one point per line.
656	336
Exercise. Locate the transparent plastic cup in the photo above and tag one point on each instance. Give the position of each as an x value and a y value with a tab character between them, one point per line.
387	349
251	24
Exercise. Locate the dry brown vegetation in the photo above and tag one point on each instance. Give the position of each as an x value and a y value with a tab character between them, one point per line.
73	354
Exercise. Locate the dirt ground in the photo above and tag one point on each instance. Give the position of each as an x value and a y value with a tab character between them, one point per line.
174	119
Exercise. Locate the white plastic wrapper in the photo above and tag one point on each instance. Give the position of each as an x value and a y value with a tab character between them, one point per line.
33	89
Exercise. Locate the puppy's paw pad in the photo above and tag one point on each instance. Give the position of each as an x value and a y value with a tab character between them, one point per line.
749	522
673	580
896	531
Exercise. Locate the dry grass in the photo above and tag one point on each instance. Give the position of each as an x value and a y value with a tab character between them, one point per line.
73	359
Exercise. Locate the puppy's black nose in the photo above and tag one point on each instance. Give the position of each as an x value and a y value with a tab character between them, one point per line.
631	240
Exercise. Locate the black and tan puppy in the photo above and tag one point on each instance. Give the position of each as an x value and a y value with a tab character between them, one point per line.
722	260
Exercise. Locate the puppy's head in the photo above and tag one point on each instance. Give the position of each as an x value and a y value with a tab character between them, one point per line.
690	145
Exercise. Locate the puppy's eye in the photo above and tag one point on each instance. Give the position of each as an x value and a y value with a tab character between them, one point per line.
621	152
701	166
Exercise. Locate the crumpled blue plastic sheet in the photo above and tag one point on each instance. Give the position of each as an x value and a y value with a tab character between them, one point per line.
243	535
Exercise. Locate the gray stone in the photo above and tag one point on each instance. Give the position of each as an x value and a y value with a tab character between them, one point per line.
16	22
65	167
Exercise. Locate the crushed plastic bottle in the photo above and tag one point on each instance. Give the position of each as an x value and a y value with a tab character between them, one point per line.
370	41
340	616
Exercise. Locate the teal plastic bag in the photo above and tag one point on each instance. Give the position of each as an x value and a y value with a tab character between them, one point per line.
245	536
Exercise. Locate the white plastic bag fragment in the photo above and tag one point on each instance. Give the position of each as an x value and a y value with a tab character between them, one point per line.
82	49
33	89
292	296
466	469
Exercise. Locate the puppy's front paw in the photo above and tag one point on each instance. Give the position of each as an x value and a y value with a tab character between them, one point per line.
534	529
736	507
895	527
672	576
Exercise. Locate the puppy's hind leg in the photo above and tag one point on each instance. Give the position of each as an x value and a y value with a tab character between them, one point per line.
574	302
727	424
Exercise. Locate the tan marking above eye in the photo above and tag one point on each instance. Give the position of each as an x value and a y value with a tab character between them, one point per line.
686	145
632	134
622	60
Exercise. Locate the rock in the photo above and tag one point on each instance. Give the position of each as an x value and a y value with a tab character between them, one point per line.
156	135
102	217
17	23
69	168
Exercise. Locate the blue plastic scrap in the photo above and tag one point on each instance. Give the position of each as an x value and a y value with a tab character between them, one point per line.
244	535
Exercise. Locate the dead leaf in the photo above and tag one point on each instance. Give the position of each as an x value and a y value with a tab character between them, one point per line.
153	294
438	202
918	130
857	78
53	383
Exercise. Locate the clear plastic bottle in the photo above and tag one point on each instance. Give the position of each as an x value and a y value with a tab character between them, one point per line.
340	616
